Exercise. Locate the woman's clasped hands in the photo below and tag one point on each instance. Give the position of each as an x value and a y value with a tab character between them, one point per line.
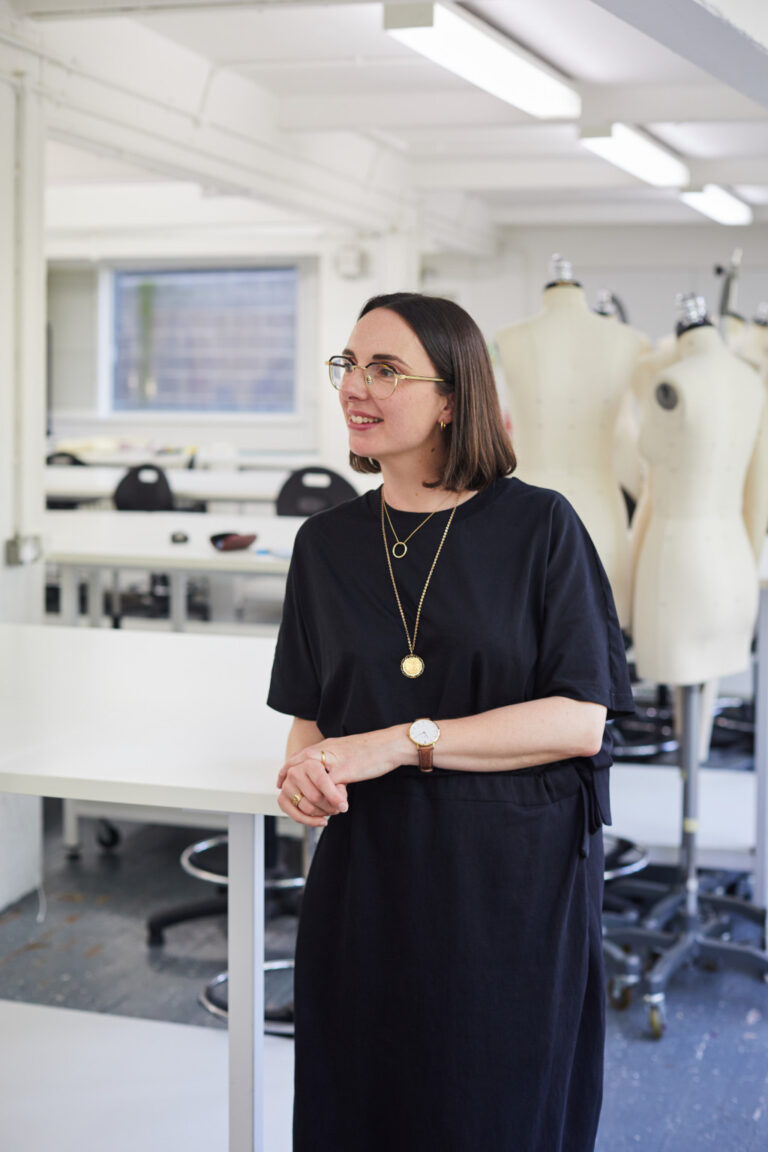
313	782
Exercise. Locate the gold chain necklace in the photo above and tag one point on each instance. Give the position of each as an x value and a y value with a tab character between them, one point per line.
398	542
412	665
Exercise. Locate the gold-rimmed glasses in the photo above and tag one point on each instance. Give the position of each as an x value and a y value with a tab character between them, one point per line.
380	378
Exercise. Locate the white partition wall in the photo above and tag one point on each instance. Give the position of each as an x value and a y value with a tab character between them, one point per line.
22	417
389	263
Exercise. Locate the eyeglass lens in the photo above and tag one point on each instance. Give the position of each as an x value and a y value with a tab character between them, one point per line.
380	379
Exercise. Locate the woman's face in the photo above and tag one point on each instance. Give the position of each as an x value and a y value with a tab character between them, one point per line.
408	421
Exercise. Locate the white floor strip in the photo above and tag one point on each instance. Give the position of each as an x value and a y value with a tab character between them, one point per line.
647	808
71	1081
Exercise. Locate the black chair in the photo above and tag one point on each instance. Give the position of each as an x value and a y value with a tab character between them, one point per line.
63	460
311	490
304	493
144	488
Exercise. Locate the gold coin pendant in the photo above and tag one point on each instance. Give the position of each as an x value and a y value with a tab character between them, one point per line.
399	555
412	666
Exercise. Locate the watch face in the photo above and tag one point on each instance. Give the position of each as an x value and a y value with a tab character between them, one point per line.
424	732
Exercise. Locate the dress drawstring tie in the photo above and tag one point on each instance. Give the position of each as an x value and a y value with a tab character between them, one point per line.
591	816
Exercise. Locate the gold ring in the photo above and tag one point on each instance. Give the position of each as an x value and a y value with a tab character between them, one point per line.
322	757
297	798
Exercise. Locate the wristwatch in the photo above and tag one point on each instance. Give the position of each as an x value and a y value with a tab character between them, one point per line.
424	734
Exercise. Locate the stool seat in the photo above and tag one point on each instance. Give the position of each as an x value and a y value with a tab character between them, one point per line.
622	857
208	860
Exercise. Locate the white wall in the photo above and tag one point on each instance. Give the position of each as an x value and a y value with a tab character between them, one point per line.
73	316
645	266
22	431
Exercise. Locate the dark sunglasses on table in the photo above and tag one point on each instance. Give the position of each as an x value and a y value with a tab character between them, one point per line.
232	541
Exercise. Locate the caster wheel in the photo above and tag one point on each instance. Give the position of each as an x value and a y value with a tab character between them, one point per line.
107	836
619	995
74	853
657	1020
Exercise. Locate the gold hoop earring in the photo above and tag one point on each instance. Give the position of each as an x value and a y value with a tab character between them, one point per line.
443	426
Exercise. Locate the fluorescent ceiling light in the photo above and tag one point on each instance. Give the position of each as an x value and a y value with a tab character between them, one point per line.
460	42
637	154
719	205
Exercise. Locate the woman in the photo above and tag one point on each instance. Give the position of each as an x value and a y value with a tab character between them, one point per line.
448	986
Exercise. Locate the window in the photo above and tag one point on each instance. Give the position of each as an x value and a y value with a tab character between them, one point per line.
208	340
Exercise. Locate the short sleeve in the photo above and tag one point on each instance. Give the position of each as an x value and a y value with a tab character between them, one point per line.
295	684
581	650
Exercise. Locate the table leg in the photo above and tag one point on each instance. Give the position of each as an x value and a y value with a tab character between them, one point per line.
178	590
761	756
246	983
68	606
94	598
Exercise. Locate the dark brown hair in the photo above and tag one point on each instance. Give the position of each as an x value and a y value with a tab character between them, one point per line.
479	448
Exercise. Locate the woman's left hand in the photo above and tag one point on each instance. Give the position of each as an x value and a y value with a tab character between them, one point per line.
346	760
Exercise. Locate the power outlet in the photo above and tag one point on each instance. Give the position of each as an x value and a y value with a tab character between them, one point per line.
23	550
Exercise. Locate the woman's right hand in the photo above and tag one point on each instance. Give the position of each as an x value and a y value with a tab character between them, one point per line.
307	793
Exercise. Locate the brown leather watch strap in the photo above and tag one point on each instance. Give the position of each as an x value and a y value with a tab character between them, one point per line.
425	757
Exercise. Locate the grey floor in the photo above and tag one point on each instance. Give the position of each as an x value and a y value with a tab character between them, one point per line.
704	1085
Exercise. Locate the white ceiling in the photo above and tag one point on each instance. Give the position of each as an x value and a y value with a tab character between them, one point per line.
298	49
333	80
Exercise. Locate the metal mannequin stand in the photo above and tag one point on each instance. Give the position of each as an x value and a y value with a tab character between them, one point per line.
761	760
688	923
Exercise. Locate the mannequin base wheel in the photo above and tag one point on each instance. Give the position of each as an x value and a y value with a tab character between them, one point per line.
700	943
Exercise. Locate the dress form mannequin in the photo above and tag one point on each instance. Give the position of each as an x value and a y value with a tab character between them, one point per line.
567	371
627	463
694	610
695	598
648	367
733	329
753	347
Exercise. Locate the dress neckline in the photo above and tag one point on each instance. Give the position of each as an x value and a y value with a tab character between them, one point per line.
482	498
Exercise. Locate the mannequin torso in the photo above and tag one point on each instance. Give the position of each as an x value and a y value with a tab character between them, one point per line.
695	586
753	347
648	367
567	370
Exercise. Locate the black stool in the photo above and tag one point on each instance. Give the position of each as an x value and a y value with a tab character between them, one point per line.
623	967
208	860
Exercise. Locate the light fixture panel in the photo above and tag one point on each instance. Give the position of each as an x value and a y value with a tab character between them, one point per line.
470	48
635	153
718	204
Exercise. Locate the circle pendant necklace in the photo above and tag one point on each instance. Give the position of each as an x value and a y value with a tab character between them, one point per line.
400	547
412	665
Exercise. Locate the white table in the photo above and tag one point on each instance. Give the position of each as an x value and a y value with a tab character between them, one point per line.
166	720
96	541
113	455
254	459
252	487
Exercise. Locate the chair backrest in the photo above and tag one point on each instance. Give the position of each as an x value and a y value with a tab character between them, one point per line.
144	488
311	490
65	459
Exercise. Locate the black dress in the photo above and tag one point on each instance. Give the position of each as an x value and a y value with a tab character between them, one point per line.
449	983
